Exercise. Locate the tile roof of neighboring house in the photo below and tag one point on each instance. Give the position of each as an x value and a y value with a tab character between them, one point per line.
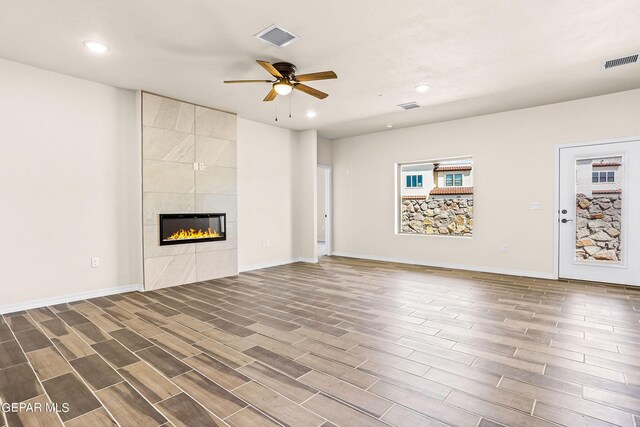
612	191
600	165
453	168
451	191
414	197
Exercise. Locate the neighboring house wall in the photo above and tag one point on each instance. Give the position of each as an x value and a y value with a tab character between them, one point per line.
584	169
426	171
467	178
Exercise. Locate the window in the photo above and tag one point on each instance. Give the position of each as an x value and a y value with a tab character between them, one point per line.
435	197
453	180
609	176
414	181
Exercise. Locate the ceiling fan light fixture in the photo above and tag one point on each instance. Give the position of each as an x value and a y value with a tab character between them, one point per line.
283	88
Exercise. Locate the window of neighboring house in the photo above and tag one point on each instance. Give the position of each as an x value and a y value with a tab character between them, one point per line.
611	176
414	181
448	180
453	180
604	176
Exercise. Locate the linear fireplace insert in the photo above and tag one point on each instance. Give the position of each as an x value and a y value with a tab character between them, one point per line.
176	229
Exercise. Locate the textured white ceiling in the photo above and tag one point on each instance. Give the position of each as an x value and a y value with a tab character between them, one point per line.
479	56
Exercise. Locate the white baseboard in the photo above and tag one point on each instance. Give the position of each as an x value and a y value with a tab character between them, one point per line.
506	271
68	298
252	267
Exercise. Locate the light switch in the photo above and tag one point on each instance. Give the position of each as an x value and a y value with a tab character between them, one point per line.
535	206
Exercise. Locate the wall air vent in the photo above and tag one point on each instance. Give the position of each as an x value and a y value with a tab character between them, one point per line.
277	36
409	105
631	59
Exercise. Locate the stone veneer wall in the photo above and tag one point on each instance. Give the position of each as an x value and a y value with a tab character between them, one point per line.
598	227
175	135
437	216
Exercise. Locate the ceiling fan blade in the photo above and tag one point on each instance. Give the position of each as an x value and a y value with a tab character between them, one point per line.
271	95
270	68
248	81
310	91
323	75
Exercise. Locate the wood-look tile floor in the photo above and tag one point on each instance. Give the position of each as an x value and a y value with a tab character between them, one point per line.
342	343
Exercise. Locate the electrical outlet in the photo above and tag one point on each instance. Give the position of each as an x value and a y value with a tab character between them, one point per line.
504	247
266	243
95	262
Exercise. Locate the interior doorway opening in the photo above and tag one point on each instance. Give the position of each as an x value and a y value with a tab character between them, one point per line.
324	211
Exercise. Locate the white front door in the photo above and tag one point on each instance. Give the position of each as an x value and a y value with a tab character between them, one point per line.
599	213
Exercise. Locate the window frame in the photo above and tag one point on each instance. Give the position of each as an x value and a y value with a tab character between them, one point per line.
603	176
446	180
413	181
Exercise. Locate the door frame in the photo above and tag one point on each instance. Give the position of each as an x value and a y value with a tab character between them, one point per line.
556	193
328	197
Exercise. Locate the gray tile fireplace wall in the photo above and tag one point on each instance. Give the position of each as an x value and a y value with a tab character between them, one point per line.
175	135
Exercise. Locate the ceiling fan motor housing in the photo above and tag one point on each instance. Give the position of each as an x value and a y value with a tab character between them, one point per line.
287	69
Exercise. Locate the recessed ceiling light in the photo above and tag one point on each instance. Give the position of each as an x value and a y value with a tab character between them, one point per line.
422	88
311	114
389	125
96	47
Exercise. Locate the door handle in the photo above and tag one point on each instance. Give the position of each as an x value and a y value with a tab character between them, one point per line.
565	220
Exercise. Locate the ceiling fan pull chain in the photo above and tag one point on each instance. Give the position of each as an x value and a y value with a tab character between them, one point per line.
276	106
291	96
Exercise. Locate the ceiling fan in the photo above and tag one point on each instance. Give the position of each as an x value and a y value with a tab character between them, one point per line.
286	80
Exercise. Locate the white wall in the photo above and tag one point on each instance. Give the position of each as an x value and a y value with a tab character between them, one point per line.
305	188
69	184
513	155
276	169
325	156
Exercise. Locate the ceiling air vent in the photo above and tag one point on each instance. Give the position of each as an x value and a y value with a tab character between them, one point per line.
409	105
620	61
277	36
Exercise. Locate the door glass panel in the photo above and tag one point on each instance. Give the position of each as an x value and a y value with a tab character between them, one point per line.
599	196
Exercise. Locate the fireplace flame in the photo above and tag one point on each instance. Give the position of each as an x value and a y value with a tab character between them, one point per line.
183	234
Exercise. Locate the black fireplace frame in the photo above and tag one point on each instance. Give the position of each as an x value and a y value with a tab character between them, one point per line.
223	227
